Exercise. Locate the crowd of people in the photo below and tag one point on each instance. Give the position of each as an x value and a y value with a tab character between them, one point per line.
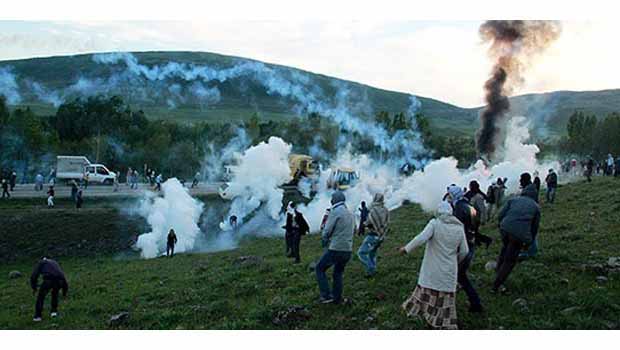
450	239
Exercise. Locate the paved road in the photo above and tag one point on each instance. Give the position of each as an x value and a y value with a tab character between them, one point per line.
63	191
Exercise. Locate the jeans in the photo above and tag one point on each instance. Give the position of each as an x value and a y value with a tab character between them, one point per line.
368	253
46	286
507	259
550	194
339	260
472	295
170	249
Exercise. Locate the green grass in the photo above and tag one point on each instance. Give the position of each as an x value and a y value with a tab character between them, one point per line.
214	291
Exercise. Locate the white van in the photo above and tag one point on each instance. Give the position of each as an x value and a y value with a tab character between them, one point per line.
76	167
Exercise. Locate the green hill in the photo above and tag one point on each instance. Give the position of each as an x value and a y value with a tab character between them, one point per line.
550	111
42	80
239	97
256	287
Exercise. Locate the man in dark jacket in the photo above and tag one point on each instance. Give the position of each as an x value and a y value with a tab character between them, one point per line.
172	241
5	189
466	215
589	168
519	220
13	180
53	279
552	185
300	228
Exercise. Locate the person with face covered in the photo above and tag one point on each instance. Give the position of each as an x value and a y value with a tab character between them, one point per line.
466	214
337	236
376	225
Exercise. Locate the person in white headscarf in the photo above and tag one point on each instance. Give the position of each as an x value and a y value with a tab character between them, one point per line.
434	297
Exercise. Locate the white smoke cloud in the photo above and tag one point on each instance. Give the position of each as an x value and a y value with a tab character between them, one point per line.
257	179
177	210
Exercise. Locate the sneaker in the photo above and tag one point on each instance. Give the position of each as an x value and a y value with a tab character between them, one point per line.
54	314
37	319
326	300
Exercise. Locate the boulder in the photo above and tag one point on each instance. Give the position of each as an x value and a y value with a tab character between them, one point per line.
490	266
248	260
119	319
520	303
601	279
613	262
291	316
570	310
15	274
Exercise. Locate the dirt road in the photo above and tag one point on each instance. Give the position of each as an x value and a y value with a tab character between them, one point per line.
64	191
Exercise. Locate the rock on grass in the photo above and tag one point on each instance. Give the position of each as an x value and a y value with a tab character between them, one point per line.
15	274
119	319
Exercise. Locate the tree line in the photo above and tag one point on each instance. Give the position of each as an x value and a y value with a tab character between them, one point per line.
108	131
587	135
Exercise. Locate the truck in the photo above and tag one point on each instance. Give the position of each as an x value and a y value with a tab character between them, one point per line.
70	168
342	178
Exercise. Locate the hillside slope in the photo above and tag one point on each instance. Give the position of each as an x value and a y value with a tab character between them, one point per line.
238	95
256	287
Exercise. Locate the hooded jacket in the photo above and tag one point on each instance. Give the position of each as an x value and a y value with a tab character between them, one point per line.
50	270
379	216
463	211
340	226
520	217
446	245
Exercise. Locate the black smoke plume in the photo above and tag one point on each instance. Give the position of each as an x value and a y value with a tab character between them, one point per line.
513	45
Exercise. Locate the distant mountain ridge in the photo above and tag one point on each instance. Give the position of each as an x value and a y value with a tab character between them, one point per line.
211	87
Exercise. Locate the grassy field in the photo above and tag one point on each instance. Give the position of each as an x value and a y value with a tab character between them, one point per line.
556	290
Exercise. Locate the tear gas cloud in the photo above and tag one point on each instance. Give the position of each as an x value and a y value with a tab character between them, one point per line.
177	83
8	86
256	182
257	197
174	209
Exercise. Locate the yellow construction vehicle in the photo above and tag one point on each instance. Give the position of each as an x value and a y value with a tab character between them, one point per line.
301	166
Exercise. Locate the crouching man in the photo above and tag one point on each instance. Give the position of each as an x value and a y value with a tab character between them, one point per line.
53	280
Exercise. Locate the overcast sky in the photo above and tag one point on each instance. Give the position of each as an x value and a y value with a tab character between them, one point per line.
444	60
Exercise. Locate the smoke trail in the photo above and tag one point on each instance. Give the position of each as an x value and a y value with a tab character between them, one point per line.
8	86
297	87
513	44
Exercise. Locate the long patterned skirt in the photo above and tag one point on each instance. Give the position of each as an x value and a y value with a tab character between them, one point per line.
437	308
